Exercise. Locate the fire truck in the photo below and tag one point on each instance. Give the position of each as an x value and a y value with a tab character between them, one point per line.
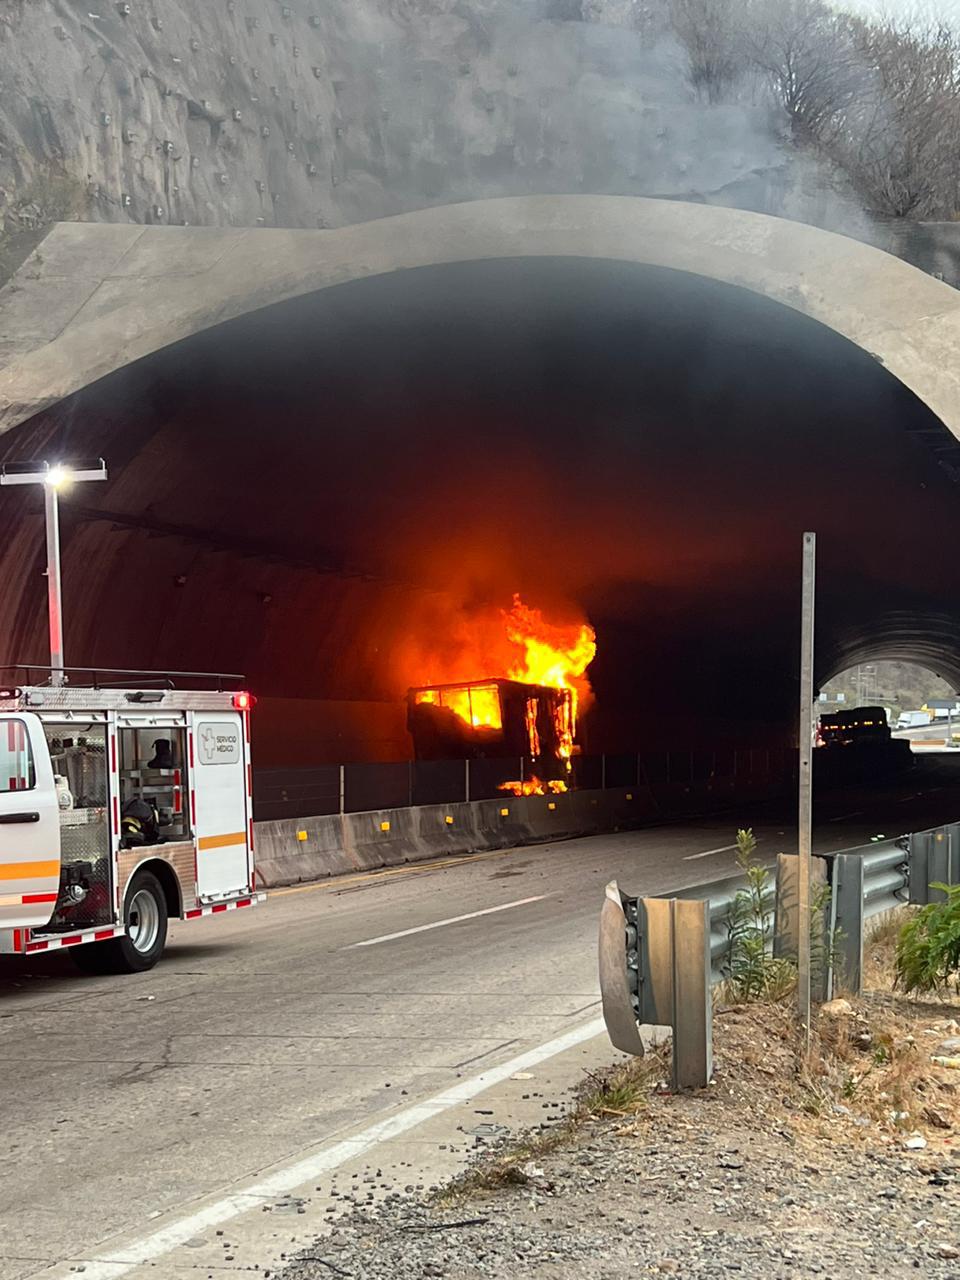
124	802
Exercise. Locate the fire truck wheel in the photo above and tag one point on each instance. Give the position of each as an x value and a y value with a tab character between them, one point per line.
145	914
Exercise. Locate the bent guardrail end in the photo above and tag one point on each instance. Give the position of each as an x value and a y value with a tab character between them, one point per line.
620	1002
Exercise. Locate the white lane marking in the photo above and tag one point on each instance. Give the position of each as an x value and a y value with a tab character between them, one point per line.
284	1181
844	816
439	924
724	848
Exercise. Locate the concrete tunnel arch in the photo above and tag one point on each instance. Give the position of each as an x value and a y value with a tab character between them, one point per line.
98	300
96	297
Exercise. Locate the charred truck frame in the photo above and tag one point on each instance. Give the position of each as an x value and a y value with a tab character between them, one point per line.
495	718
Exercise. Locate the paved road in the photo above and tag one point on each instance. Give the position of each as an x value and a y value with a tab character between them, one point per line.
265	1032
938	732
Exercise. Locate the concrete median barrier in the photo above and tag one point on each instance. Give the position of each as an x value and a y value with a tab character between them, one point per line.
294	850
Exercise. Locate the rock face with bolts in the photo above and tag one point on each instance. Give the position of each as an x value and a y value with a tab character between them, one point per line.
530	104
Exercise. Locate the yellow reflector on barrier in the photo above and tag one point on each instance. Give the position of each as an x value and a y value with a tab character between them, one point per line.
448	821
629	795
504	813
384	826
301	835
551	805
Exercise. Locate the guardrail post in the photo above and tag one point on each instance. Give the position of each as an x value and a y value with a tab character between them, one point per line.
343	785
692	996
786	927
786	919
919	875
934	859
655	970
847	911
466	780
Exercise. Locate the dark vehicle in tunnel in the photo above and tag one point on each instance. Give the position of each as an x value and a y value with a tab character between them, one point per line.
860	726
856	747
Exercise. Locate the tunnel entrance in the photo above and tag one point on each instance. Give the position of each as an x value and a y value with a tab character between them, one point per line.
325	489
919	704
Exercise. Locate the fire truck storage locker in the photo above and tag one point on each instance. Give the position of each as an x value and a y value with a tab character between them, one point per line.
29	824
220	793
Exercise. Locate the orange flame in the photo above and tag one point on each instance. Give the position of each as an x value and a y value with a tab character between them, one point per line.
476	704
535	787
555	656
526	648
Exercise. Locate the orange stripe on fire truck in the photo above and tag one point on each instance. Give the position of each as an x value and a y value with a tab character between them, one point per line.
30	870
222	842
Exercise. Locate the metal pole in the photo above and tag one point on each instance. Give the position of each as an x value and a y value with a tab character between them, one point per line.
54	602
466	780
805	811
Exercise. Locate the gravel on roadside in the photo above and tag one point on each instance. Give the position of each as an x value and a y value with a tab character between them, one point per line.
842	1169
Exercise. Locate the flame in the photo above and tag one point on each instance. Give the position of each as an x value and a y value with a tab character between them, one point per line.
552	655
477	704
526	648
535	787
556	656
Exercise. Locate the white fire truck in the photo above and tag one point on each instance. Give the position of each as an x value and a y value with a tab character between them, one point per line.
120	808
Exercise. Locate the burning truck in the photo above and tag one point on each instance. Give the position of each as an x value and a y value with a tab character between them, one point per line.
530	712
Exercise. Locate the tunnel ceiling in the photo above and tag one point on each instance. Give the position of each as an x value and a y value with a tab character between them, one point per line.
319	490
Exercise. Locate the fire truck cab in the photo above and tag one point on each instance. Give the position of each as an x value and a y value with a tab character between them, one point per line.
121	808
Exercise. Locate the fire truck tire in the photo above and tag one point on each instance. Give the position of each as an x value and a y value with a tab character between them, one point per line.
145	915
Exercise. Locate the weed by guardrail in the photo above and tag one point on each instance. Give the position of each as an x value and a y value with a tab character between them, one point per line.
752	973
928	948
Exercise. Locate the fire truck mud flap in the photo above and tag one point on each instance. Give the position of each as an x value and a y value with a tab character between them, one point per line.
618	978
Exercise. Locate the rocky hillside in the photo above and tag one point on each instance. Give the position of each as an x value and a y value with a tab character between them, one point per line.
320	112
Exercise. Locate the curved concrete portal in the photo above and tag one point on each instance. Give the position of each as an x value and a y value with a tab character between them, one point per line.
96	297
331	452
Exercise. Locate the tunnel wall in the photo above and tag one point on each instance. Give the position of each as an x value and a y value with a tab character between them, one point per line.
255	515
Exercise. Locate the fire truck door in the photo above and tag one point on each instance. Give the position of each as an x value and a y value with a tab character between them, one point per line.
29	825
220	787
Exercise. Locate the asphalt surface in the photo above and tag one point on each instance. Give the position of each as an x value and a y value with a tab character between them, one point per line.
266	1031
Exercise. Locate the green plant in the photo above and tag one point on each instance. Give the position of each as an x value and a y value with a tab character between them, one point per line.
928	948
881	1055
753	973
850	1086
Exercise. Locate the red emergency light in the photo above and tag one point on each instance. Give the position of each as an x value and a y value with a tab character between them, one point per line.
244	701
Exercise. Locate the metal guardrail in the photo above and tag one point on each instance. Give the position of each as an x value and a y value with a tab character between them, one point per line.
644	965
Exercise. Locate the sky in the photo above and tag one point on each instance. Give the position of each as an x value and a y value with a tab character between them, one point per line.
921	9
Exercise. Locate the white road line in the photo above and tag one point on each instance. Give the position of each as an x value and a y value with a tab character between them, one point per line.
724	848
858	813
439	924
284	1181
